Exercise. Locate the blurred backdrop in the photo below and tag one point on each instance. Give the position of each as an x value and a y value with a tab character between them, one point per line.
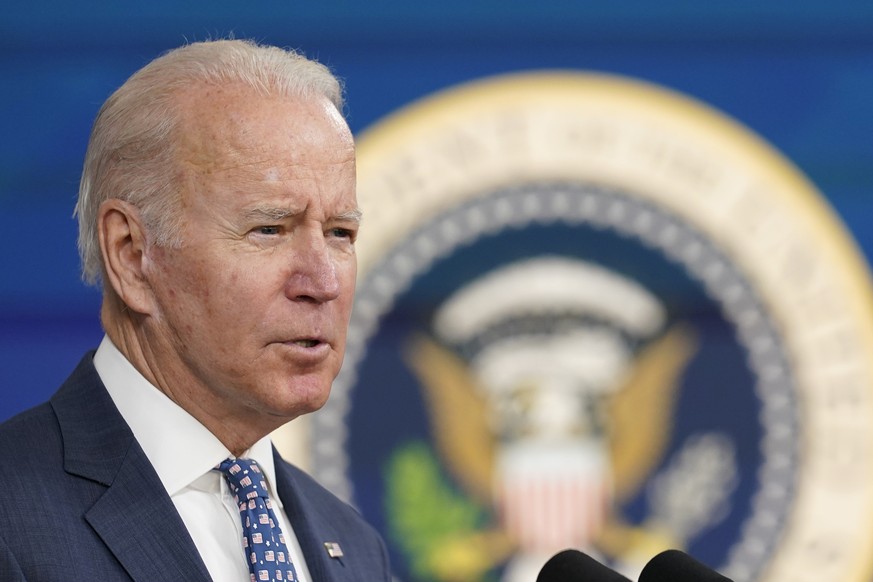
800	75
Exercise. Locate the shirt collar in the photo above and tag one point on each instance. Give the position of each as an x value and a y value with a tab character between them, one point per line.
179	448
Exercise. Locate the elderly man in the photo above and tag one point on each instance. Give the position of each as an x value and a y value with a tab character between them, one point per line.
217	206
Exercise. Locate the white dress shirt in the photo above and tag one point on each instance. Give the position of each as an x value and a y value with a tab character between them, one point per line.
184	454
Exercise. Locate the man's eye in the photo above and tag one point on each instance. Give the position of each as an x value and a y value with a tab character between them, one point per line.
343	233
267	230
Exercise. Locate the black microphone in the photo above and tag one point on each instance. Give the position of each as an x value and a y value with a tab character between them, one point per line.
574	566
676	566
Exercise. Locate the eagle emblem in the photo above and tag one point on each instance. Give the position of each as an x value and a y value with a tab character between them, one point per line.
550	385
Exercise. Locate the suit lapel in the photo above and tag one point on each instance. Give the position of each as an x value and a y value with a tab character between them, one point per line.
307	527
135	517
311	529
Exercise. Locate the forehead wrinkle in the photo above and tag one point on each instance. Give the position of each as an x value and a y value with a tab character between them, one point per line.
261	170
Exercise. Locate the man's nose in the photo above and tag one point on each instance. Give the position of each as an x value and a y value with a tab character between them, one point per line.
314	276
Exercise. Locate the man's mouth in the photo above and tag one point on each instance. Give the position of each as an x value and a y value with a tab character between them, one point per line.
307	343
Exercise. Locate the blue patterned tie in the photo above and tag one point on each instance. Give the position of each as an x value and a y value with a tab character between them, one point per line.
263	541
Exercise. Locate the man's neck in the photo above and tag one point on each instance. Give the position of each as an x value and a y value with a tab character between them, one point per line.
161	367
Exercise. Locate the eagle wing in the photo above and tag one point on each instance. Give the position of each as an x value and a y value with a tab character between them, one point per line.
640	412
458	414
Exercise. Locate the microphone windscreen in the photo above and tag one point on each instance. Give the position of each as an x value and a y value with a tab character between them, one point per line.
676	566
574	566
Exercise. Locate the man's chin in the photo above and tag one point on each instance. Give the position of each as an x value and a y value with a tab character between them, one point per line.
305	398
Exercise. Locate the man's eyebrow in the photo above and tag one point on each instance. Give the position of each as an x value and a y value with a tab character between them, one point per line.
276	213
269	213
351	216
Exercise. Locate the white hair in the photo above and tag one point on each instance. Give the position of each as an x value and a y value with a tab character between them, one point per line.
133	141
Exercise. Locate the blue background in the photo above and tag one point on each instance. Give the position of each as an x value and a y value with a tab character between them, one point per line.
800	74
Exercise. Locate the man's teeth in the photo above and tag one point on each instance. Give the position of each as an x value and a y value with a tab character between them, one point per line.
306	343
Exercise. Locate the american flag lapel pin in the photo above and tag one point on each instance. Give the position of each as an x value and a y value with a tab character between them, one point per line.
333	549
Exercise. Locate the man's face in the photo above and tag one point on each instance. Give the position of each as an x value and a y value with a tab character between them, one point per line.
253	308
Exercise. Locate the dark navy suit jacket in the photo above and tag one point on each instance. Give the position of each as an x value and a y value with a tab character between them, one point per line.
79	500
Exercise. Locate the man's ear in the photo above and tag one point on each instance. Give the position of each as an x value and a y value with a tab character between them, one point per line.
123	242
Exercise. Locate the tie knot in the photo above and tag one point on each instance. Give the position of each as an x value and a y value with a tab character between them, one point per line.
244	477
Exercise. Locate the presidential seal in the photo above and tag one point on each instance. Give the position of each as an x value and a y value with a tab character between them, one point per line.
593	313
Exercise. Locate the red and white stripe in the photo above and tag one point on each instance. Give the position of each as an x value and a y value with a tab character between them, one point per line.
553	500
